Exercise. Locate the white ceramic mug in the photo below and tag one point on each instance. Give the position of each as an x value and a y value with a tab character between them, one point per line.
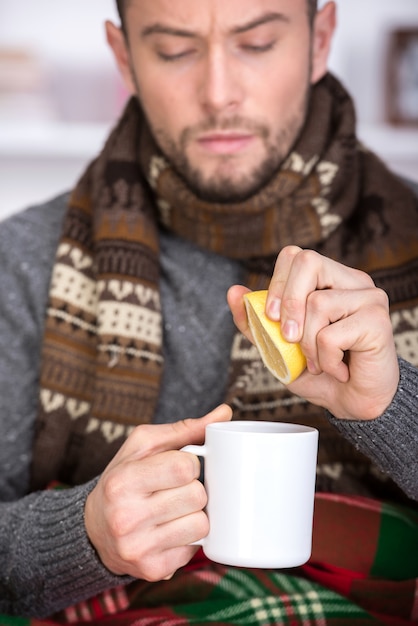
260	481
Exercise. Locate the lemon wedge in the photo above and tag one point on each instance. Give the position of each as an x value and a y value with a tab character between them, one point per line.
285	360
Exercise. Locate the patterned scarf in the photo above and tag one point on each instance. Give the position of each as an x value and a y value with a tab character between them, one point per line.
102	352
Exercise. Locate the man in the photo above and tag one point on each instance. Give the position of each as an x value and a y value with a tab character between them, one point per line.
237	144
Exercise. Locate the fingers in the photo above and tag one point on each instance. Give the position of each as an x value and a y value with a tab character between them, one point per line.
136	508
299	273
148	502
140	509
157	552
327	307
160	471
351	334
352	362
340	320
168	550
279	280
184	500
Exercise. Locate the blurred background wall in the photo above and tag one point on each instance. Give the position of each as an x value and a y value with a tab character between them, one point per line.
60	92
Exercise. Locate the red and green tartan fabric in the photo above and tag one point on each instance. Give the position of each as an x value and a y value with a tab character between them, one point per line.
363	570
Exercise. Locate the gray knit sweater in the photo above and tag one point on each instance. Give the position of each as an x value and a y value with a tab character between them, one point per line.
46	560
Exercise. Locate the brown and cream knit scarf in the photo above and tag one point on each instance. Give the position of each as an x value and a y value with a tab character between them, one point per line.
102	352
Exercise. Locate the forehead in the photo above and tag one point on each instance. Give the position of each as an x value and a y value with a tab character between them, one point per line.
205	15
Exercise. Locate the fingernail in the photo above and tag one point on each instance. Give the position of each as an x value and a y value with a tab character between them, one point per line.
274	309
290	330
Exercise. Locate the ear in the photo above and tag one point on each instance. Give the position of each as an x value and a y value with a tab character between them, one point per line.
117	42
323	30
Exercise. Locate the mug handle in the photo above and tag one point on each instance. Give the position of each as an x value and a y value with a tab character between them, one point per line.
198	451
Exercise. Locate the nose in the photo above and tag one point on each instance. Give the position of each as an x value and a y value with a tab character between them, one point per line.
220	90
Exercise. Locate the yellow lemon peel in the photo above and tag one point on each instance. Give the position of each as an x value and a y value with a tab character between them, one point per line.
285	360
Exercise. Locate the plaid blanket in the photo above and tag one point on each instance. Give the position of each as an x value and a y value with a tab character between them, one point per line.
363	570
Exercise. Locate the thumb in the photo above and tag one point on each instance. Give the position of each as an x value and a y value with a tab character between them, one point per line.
192	430
235	299
147	439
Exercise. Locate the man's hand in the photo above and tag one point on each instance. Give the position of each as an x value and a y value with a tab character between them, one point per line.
146	509
341	320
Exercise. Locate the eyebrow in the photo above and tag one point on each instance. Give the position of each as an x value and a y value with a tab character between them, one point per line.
264	19
162	29
158	29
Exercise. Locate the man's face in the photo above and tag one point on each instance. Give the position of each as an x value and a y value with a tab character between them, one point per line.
224	85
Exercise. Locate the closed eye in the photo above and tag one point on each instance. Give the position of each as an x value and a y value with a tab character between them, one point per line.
259	48
174	57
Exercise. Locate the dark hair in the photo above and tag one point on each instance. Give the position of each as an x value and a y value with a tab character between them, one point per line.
312	9
121	6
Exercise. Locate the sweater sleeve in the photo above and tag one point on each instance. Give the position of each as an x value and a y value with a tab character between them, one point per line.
391	440
28	241
47	561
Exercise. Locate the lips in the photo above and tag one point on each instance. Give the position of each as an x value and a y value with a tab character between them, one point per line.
225	143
